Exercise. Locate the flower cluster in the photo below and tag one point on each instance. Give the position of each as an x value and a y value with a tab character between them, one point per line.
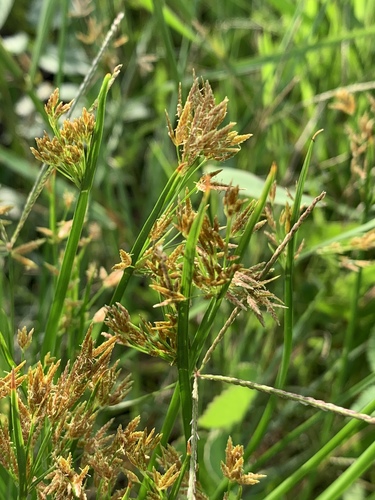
197	132
66	151
216	265
233	466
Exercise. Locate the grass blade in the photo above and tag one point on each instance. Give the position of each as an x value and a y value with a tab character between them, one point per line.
183	347
288	319
352	474
51	331
48	8
18	440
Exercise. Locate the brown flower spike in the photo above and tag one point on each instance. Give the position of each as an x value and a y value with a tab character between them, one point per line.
197	132
67	150
233	466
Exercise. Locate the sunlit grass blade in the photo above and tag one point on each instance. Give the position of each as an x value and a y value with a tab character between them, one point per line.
289	270
251	64
172	20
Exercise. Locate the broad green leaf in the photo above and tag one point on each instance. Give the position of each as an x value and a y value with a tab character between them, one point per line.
252	185
227	409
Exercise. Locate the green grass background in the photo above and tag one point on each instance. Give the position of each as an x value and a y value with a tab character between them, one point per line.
280	63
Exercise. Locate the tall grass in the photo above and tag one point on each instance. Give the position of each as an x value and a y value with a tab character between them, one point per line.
269	292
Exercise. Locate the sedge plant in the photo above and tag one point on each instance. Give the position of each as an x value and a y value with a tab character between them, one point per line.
184	254
52	445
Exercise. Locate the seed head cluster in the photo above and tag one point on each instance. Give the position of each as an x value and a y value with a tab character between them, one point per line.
59	409
67	150
233	466
215	264
197	133
67	453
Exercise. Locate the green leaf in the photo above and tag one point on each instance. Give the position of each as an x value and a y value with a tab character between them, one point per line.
227	409
251	185
6	7
5	352
17	437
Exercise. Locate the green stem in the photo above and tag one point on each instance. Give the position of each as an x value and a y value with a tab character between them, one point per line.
349	430
289	270
338	487
51	331
183	344
18	441
288	315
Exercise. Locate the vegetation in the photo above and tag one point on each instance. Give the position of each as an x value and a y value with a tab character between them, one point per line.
187	298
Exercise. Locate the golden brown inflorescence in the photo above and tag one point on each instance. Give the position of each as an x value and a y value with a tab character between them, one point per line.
61	409
67	150
233	466
216	265
197	133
